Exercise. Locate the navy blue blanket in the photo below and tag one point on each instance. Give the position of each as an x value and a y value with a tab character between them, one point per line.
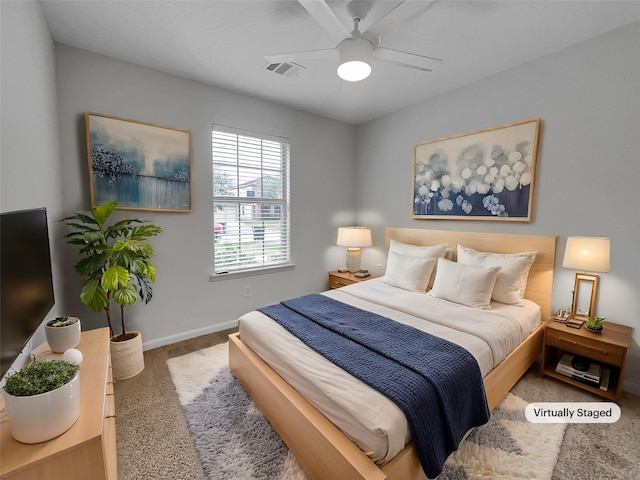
436	383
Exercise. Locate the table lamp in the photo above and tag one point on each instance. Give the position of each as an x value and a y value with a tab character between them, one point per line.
587	254
354	238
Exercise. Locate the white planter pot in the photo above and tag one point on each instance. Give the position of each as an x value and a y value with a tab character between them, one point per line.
39	418
127	358
63	338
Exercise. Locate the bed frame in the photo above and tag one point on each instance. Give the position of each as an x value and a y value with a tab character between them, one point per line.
321	448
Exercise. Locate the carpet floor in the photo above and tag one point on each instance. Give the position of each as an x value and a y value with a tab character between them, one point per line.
154	441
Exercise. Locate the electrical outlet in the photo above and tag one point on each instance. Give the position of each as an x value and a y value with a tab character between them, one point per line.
379	267
247	290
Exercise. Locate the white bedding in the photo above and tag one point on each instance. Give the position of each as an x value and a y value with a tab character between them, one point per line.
364	415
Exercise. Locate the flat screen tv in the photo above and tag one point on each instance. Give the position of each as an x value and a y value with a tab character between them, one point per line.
26	284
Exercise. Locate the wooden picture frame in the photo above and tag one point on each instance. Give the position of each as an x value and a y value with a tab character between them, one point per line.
585	291
483	175
142	166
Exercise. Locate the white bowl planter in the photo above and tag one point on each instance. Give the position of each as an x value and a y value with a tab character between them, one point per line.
63	338
39	418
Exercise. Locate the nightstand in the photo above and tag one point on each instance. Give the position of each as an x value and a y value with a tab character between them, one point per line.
609	348
338	279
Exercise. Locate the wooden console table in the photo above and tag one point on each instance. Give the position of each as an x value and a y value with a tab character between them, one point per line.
88	448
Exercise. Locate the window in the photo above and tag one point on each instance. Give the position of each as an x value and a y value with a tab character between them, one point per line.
250	200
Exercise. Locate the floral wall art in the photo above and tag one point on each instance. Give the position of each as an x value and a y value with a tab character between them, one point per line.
140	165
483	175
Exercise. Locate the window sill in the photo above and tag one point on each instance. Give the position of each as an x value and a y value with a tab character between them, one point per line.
214	277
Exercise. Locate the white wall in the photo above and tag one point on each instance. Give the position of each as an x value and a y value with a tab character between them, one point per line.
185	302
30	164
588	171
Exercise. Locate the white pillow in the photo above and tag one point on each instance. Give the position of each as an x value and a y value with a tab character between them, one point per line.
464	284
408	273
416	251
514	270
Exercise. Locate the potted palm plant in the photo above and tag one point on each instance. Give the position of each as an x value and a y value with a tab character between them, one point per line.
43	400
116	261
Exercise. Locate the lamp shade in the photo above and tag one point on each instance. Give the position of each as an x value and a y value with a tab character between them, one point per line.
587	253
354	237
354	59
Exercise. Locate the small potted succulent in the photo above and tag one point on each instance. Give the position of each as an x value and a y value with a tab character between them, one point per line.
42	400
63	333
594	324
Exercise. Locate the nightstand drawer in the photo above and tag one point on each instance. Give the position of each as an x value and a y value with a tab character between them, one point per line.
342	279
337	282
593	349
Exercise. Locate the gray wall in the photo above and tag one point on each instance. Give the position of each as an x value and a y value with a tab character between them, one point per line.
30	164
588	171
185	302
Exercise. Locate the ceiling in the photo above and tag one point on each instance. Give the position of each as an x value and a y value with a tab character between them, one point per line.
224	43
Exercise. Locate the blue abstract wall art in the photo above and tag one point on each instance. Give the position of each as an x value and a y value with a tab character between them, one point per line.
483	175
141	165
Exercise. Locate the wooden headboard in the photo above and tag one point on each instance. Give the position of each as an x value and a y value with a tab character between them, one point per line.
540	282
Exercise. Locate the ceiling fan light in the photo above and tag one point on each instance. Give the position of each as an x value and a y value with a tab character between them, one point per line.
354	71
354	59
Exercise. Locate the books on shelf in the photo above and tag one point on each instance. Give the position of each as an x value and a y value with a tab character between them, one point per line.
591	376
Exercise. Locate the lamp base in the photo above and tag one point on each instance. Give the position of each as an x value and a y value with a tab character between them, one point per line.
353	259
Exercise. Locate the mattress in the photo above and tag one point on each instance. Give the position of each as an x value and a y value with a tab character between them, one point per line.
364	415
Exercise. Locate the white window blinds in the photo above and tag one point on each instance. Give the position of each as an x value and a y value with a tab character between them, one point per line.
250	200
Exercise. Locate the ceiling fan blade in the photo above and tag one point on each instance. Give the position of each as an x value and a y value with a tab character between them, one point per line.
405	59
404	11
320	11
301	56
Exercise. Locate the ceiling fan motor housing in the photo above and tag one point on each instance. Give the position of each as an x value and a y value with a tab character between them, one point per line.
354	59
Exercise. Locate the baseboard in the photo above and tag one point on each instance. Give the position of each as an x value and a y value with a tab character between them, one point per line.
632	375
161	342
631	387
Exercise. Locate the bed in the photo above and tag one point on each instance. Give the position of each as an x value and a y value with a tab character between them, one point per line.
326	451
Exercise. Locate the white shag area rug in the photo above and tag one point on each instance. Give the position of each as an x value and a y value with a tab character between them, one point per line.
235	442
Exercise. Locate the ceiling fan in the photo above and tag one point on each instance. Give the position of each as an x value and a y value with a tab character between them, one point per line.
355	50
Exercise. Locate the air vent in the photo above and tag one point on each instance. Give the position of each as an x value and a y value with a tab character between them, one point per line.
286	69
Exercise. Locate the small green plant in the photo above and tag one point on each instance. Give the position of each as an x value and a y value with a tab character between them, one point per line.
595	323
61	321
40	377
